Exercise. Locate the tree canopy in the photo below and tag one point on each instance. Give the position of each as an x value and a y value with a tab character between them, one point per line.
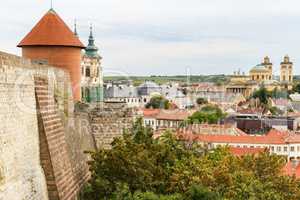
208	114
296	88
158	102
201	101
139	167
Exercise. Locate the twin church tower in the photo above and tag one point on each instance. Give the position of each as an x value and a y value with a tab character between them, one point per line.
52	41
264	71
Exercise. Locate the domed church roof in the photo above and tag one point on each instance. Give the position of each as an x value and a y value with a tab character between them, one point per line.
91	49
259	68
51	30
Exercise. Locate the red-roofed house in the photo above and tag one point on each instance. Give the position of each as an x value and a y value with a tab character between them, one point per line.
278	142
165	119
149	116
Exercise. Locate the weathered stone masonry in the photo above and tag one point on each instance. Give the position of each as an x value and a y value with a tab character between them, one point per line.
41	150
108	121
55	160
42	139
21	174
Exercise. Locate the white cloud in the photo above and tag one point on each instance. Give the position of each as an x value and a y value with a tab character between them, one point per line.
154	36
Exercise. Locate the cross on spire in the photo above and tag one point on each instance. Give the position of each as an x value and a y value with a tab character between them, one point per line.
51	4
75	28
91	30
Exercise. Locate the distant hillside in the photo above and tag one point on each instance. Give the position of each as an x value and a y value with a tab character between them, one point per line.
164	79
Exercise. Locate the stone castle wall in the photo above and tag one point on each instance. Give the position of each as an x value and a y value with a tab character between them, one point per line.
21	174
41	141
108	121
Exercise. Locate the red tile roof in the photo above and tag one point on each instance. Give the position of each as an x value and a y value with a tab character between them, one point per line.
51	30
209	129
241	151
150	112
251	111
292	169
176	115
273	137
294	114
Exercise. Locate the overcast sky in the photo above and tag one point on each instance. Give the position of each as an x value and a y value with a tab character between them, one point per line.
167	37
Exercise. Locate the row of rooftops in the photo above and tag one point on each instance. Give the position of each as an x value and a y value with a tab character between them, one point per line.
273	137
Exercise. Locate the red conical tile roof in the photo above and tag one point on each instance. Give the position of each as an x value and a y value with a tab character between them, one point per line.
51	30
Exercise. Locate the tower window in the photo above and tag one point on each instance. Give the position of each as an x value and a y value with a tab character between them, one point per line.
87	72
283	77
257	77
290	78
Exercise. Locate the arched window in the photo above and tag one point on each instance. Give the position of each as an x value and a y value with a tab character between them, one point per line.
87	72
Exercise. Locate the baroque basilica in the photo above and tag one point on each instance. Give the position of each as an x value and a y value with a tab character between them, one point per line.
262	74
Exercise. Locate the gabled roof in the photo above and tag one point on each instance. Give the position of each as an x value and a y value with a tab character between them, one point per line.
51	30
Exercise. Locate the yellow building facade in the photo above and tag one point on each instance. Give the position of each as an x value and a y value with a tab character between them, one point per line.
262	74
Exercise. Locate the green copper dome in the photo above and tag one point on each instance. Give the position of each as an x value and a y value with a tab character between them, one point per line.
91	49
260	68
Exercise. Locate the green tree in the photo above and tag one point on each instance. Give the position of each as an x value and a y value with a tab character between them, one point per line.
139	167
197	192
208	114
158	102
262	94
201	101
277	94
296	88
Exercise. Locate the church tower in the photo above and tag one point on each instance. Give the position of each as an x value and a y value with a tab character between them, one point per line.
286	70
52	41
92	78
266	62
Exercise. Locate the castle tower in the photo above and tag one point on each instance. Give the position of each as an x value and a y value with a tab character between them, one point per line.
286	70
92	78
52	41
266	62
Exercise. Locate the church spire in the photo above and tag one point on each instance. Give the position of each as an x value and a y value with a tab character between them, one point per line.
91	37
75	28
91	49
